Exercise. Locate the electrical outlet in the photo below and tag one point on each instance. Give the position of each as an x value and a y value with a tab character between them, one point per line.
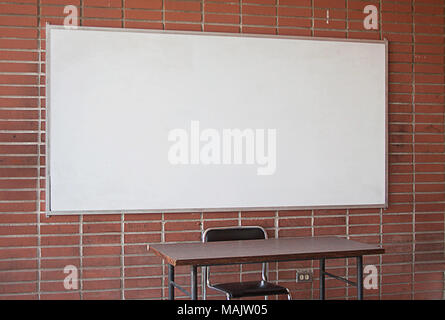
304	275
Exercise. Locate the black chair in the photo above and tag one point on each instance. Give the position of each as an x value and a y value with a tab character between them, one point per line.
240	289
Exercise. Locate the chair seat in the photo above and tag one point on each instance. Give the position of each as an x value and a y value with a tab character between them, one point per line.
249	289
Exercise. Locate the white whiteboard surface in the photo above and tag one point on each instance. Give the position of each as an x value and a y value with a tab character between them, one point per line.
114	95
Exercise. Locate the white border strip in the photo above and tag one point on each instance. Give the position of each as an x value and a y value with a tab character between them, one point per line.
241	35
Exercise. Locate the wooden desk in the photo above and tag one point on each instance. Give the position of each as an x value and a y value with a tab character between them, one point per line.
268	250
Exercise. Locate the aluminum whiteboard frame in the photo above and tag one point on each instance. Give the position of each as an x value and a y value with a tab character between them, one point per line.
48	211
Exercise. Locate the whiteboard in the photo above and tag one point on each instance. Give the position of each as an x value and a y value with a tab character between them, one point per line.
156	121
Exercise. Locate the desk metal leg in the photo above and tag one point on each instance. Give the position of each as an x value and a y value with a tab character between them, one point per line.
322	279
194	282
360	278
171	279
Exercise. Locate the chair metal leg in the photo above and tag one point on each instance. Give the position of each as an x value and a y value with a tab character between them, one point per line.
204	282
194	282
360	278
322	279
171	279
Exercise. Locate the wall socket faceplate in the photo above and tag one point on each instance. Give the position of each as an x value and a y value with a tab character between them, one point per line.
304	275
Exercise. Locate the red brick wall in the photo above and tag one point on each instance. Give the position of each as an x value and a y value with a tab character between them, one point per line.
110	250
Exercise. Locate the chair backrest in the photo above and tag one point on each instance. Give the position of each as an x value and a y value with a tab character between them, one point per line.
234	233
231	234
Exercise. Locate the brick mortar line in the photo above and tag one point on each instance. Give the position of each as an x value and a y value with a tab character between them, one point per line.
413	124
276	233
163	281
347	36
137	266
122	256
39	130
116	244
347	234
277	6
81	258
203	11
123	14
163	14
202	15
443	252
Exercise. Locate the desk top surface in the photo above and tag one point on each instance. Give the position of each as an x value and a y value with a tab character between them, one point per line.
249	251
